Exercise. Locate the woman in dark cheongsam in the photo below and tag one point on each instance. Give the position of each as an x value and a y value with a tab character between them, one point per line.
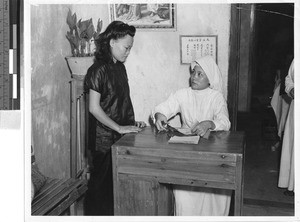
111	111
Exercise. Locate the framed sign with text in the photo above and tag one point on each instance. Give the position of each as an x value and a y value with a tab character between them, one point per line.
196	46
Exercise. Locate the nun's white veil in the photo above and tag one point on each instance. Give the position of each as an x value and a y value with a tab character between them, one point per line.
211	70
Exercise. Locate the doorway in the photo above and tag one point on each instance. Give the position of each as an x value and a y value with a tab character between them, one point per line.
271	50
274	48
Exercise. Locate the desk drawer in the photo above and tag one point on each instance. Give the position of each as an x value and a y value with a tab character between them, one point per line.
195	169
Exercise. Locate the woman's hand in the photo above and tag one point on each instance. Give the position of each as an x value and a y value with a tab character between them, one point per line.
129	129
161	121
202	127
140	124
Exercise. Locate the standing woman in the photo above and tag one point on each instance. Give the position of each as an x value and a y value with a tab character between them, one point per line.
286	172
111	112
202	107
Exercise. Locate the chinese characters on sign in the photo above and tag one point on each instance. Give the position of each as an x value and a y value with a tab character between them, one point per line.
193	47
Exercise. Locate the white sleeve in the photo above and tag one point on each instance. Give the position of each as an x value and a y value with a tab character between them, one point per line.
169	108
221	117
289	79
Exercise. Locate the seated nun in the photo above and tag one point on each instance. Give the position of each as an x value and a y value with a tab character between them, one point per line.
202	107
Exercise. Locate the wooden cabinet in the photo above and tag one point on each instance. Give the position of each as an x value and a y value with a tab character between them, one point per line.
145	166
79	128
142	196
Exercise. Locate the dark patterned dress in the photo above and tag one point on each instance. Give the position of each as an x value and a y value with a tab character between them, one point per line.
110	80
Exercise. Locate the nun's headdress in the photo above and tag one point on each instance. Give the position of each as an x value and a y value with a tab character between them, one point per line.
212	72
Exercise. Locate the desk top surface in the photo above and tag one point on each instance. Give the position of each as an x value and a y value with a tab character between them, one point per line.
221	142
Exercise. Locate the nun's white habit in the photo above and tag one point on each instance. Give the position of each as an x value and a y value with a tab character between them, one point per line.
286	172
196	106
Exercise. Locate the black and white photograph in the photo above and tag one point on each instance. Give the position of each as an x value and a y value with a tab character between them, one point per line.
150	111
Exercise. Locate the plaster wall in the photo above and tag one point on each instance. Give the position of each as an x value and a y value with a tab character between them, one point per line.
50	90
153	67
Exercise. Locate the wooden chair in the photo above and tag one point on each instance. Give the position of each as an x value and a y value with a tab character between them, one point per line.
57	195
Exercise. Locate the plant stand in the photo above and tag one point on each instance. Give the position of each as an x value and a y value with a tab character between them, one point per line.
79	65
79	115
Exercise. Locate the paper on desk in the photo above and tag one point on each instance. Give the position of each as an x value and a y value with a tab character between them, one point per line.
188	132
185	131
185	139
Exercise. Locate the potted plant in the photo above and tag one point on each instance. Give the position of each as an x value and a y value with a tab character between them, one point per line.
81	37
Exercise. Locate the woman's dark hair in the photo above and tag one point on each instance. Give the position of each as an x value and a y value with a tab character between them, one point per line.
115	30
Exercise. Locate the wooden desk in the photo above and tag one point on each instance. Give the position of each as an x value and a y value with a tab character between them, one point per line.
145	166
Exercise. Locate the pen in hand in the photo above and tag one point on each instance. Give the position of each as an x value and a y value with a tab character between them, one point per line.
164	126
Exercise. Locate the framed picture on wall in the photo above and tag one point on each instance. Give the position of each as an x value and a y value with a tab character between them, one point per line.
196	46
145	16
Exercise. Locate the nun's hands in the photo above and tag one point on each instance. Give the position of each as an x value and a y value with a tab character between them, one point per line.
140	124
202	127
161	121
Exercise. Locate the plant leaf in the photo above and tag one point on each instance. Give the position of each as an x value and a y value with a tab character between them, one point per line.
72	39
99	26
90	30
82	25
86	29
71	20
81	34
